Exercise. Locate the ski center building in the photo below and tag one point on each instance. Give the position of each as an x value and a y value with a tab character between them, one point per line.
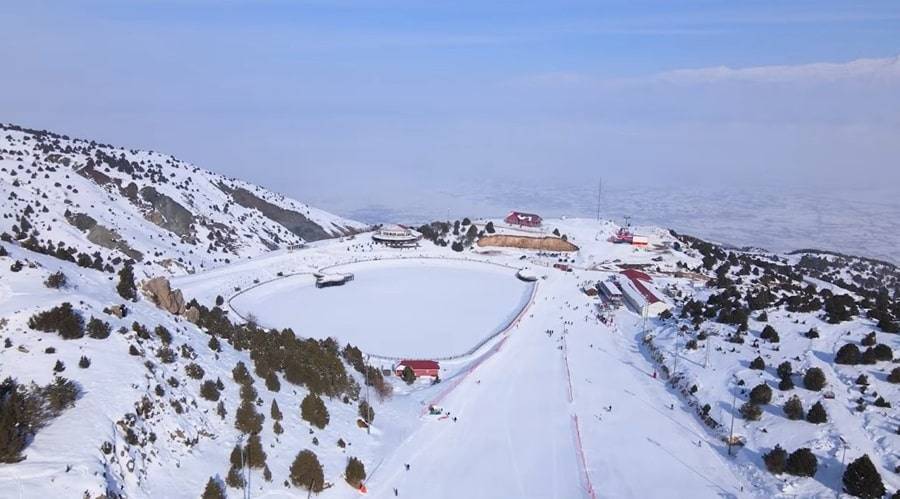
610	292
523	219
397	236
419	367
640	294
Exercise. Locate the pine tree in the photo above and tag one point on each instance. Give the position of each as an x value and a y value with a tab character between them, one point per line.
751	411
793	408
861	479
758	363
802	462
894	377
366	411
235	478
355	472
784	370
247	420
761	394
306	472
408	375
313	409
786	384
126	287
255	455
213	490
814	379
776	460
275	411
848	354
817	414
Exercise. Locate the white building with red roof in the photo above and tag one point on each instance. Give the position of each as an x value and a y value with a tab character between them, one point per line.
640	294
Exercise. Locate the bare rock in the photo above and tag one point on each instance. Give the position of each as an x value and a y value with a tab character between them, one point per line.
161	293
192	314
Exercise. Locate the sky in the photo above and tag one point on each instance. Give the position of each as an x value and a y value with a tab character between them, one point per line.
360	105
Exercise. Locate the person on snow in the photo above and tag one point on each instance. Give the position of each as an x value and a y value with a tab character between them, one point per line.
407	467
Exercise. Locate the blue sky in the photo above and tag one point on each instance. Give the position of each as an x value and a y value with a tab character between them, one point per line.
364	99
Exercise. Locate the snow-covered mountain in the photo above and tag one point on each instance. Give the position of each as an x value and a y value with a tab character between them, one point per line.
790	356
111	204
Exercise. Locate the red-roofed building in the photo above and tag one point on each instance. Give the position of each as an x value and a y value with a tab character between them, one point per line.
523	219
640	295
419	367
636	275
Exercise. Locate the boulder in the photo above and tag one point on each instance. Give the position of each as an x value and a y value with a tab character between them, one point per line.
161	293
192	314
119	311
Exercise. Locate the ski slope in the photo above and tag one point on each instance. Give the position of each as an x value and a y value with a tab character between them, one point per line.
516	433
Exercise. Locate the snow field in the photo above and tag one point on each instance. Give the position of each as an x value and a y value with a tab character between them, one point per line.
395	308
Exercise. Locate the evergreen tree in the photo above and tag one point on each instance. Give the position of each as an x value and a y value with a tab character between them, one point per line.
126	286
769	333
254	454
247	420
814	379
235	478
786	384
894	377
98	329
775	460
785	370
213	490
366	411
408	375
848	354
209	391
751	411
802	462
313	409
275	411
306	472
817	414
793	408
761	394
861	479
758	363
355	472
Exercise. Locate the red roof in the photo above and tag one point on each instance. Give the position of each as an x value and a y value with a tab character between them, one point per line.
419	364
650	296
636	275
524	217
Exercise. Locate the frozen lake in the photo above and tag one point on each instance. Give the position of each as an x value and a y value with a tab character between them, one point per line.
408	308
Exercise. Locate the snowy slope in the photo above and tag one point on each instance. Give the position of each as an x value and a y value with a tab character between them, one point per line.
167	214
558	404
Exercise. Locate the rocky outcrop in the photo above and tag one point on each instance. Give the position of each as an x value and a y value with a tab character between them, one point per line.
291	220
192	314
160	292
102	236
168	214
527	242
